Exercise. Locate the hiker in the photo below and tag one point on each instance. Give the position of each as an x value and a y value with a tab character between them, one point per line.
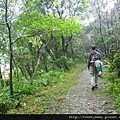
95	66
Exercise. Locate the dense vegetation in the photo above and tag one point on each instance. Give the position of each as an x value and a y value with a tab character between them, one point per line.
42	40
112	79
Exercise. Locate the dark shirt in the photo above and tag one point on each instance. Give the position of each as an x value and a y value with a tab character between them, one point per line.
90	56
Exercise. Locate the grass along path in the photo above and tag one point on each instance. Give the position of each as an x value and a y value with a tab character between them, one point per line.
49	97
82	100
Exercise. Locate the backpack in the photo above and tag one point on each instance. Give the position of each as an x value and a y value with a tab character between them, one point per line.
95	56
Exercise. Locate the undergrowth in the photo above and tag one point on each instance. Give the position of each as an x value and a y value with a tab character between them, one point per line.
113	86
47	91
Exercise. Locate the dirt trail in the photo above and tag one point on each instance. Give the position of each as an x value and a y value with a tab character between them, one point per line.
82	100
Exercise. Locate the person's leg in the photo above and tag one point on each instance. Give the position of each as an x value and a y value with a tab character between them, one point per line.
96	78
92	75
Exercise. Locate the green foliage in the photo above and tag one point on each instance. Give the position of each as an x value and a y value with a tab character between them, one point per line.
51	77
64	63
115	64
113	81
45	95
116	60
113	78
6	101
36	24
38	29
114	90
23	87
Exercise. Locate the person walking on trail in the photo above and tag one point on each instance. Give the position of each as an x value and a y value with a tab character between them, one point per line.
95	66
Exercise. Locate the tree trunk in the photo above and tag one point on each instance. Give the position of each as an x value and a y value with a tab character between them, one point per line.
10	46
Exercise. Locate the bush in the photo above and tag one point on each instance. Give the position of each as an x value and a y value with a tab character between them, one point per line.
113	87
6	101
64	63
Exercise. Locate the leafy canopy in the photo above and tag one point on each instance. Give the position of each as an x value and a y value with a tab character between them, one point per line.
36	24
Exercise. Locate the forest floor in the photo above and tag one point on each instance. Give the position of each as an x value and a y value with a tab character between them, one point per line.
82	100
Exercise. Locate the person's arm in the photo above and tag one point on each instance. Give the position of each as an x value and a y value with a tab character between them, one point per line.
89	59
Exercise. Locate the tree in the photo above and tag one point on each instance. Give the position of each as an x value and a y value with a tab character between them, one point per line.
47	30
7	21
36	39
100	29
8	15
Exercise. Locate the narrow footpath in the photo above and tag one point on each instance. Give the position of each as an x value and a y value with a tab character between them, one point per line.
82	100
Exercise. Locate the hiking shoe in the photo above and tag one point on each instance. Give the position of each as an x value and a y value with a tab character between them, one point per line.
93	87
